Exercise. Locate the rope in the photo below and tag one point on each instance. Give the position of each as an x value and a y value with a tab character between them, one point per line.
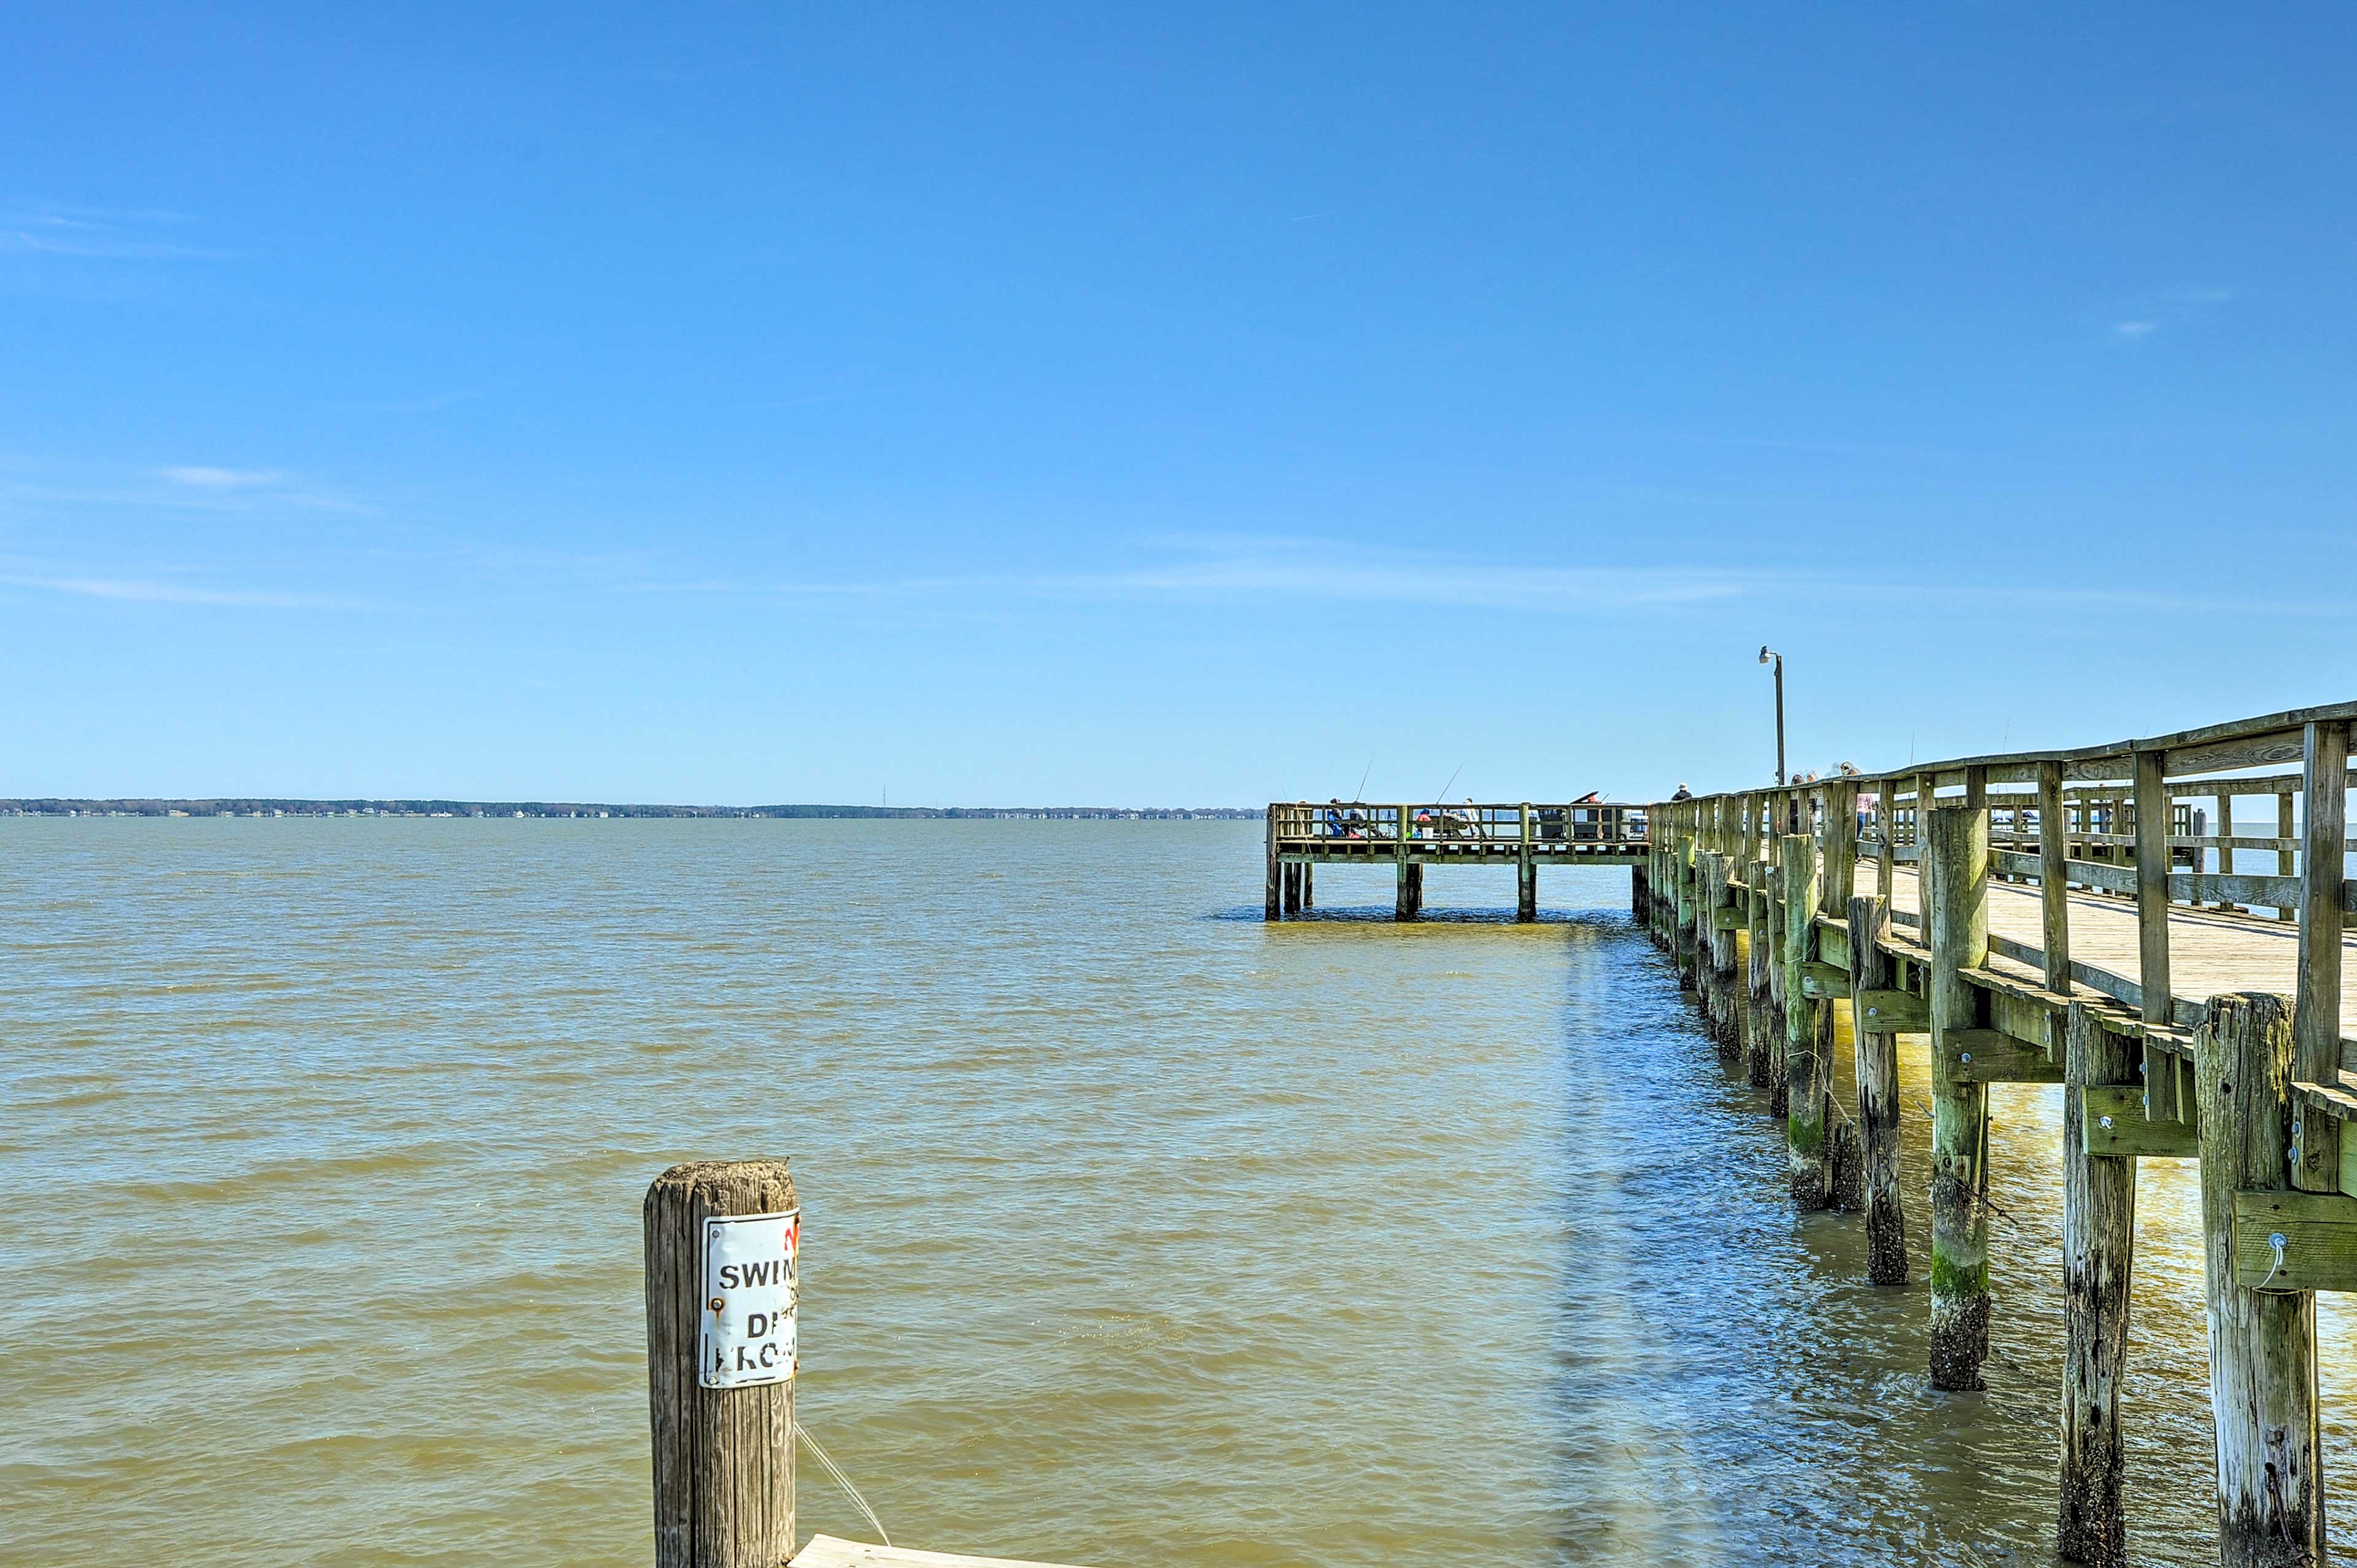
842	1480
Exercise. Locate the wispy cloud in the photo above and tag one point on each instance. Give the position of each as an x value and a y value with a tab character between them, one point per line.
221	478
139	592
100	234
2148	313
1338	571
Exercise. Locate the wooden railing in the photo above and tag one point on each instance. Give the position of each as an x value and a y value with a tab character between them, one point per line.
1301	825
2253	1084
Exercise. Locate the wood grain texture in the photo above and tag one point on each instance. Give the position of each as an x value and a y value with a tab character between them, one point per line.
2316	1007
1878	1099
2098	1258
1808	1029
724	1459
1955	865
828	1551
2262	1343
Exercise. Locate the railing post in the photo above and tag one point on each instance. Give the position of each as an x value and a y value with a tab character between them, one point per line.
1808	1029
1954	878
2054	877
2152	929
2283	860
2261	1342
1686	875
2098	1257
724	1455
2316	1015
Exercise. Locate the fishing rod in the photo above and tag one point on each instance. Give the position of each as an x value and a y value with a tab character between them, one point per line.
1363	778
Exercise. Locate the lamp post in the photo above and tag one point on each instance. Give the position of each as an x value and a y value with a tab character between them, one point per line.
1770	656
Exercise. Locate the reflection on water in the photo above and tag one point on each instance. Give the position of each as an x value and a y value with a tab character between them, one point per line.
1138	1231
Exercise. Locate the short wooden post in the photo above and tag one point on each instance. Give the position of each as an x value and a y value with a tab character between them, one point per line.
2316	1015
1808	1029
724	1458
1270	908
1641	893
1955	882
1877	1097
2261	1342
2098	1256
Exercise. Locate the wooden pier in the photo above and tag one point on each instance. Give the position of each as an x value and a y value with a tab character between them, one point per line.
2077	919
1410	838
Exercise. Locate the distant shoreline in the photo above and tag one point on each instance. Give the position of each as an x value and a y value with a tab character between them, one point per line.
241	806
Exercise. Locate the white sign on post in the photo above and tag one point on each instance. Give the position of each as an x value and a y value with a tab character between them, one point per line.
749	1289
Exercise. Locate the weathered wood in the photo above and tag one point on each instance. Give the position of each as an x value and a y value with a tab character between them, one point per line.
1269	907
1955	877
2098	1257
2286	864
827	1551
1878	1099
1641	892
2114	1120
1292	883
1683	868
1825	981
724	1459
1893	1012
1992	1056
2054	877
1763	1027
2320	1236
1808	1029
2316	1009
1726	983
1779	1088
2262	1343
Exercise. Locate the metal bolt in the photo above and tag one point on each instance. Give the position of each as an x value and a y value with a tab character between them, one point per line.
715	1304
1967	1055
2105	1121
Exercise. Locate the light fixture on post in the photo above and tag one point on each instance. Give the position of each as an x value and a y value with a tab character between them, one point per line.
1770	656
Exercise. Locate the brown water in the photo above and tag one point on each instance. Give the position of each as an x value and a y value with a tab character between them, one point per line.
1137	1231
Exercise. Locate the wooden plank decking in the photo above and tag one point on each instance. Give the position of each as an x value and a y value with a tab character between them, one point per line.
827	1551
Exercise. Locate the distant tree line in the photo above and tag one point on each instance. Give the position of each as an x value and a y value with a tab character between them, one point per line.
226	807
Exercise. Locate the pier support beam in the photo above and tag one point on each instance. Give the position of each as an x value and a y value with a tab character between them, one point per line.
1955	870
1779	1086
1877	1097
1526	889
1292	880
1641	892
2262	1343
1307	872
1725	1008
1683	932
1808	1029
2098	1255
1409	901
1270	908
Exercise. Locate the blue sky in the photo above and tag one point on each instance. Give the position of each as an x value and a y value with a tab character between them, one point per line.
1180	406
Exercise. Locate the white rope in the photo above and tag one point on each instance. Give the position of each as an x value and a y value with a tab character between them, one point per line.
842	1480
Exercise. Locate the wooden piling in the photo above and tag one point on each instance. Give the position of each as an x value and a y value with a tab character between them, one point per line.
2054	878
1726	1007
1270	909
1292	885
1779	1088
1845	1153
724	1458
2263	1398
1526	875
1877	1097
1808	1029
1762	1026
1308	875
1955	883
1684	871
2098	1255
